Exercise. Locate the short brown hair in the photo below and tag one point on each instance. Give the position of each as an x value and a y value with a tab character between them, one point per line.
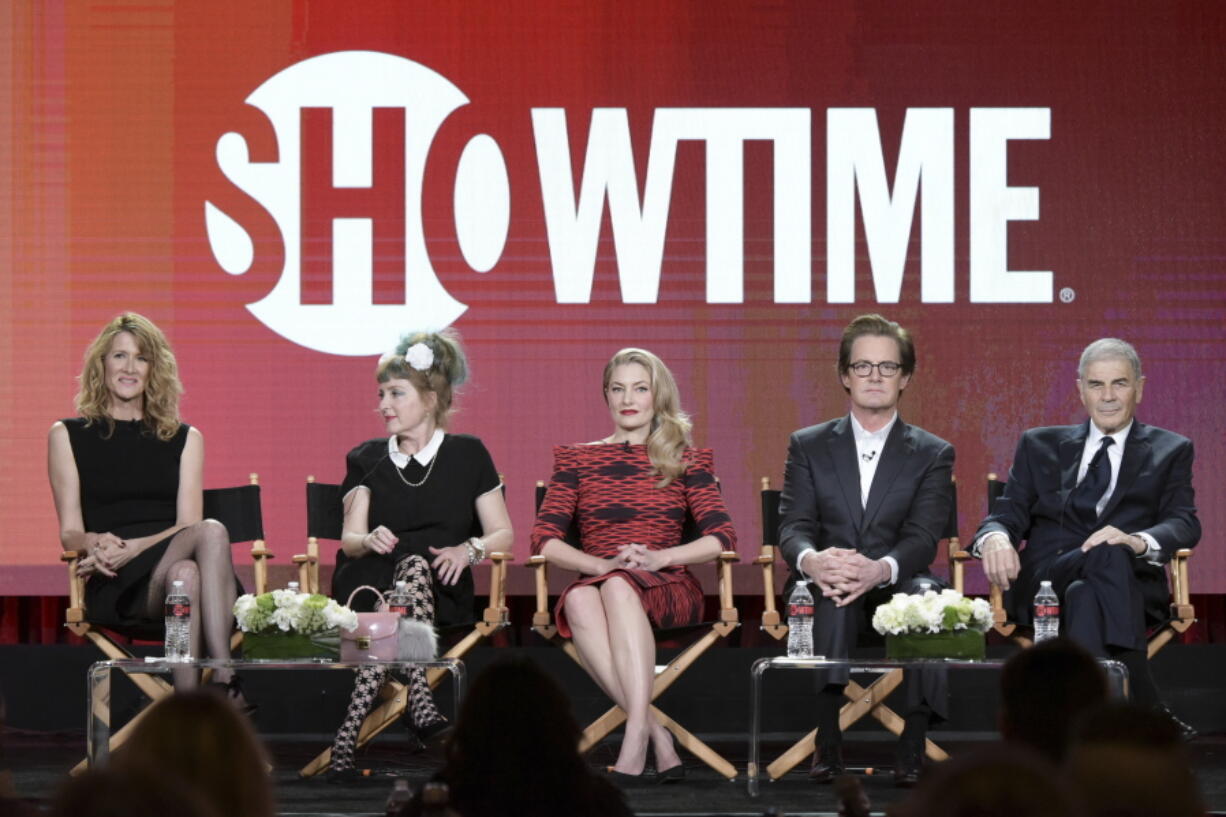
446	374
874	324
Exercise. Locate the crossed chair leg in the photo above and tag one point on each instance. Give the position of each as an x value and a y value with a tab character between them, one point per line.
862	701
615	716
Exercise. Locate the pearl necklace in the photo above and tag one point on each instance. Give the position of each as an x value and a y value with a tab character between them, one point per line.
429	470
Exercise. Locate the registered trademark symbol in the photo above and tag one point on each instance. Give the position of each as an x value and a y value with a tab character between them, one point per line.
1067	295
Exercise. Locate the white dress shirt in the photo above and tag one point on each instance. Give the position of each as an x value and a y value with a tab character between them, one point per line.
1115	456
869	445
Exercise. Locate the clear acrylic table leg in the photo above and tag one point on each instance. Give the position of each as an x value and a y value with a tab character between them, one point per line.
98	731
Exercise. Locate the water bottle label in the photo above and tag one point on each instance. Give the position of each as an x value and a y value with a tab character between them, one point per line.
800	610
1041	610
398	609
178	609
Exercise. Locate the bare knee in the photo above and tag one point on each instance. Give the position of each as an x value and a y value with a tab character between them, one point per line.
617	592
584	606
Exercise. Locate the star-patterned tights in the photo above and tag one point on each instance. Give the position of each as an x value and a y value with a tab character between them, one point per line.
422	712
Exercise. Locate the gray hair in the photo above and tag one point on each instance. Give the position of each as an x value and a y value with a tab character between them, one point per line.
1109	349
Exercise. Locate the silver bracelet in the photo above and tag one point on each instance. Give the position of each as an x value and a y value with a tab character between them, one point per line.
476	550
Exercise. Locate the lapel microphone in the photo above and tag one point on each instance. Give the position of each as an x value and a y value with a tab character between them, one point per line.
869	456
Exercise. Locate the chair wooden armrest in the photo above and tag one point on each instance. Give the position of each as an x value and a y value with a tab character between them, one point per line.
308	566
958	557
542	620
772	622
496	614
1000	618
1183	614
75	614
259	562
727	609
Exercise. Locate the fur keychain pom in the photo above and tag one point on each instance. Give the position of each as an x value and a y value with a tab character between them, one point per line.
417	640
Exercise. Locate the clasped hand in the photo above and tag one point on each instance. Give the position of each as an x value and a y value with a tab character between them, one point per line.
449	562
1001	563
844	574
106	554
638	557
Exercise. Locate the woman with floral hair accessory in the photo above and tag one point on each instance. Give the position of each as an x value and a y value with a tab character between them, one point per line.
628	495
411	503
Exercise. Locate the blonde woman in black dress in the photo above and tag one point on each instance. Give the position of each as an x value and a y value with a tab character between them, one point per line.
127	479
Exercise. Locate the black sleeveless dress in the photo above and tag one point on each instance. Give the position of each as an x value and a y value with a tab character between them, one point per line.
129	487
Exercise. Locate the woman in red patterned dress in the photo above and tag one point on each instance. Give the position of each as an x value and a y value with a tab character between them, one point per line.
628	495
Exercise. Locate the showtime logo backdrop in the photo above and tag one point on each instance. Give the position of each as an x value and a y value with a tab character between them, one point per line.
286	189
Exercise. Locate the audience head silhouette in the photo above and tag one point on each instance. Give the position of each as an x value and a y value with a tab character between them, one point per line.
1043	691
201	738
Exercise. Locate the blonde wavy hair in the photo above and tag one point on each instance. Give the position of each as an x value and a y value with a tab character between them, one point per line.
670	427
162	386
446	374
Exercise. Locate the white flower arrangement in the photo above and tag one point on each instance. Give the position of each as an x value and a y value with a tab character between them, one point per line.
932	612
419	356
289	611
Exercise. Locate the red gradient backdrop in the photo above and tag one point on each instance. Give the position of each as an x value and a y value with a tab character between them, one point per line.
110	116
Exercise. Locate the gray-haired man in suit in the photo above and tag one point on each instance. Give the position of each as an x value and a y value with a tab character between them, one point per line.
1101	506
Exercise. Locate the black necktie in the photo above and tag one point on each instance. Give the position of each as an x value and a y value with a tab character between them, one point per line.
1094	485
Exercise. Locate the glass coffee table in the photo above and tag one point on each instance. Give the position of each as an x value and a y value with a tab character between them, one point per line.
98	701
1117	681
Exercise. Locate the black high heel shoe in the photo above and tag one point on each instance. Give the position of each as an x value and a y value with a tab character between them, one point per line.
623	779
233	692
673	774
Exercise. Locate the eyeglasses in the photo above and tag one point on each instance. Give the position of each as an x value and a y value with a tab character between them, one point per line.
887	368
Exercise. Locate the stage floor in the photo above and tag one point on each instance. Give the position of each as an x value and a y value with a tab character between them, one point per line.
39	762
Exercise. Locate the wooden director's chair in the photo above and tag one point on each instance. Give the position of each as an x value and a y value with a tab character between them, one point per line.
861	700
1181	614
711	632
237	508
325	520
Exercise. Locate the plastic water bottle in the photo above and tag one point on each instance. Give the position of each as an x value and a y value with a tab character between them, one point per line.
398	801
293	587
800	622
178	623
398	599
1046	613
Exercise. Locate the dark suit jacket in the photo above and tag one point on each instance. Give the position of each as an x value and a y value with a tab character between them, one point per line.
1153	494
908	502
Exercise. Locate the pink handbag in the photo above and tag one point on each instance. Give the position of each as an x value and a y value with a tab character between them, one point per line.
375	636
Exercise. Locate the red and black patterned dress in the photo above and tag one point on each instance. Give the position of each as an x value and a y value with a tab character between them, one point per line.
610	491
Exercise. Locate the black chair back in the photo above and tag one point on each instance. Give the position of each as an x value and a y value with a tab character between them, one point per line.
238	509
325	514
996	489
770	516
951	524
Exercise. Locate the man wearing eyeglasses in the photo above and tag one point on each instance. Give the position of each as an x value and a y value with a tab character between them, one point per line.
865	499
1101	506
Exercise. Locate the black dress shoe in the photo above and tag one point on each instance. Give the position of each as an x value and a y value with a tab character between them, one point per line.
908	763
1186	730
827	764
